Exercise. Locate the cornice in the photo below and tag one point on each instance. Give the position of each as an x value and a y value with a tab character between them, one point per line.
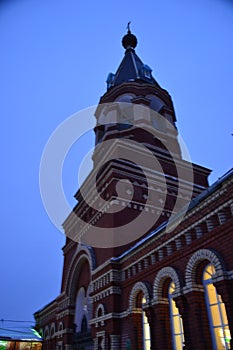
139	89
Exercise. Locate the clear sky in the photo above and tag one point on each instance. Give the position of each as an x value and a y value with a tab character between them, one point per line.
54	58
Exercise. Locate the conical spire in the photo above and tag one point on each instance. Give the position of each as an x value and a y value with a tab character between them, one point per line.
131	67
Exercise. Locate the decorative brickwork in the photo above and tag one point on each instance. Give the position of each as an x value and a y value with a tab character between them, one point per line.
137	288
197	257
164	274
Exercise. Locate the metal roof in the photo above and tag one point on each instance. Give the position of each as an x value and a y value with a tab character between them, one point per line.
131	67
19	333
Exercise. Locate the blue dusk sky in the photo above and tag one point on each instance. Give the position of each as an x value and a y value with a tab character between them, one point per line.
55	56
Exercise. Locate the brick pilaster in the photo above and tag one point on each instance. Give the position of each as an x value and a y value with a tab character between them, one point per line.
194	313
115	341
152	322
160	327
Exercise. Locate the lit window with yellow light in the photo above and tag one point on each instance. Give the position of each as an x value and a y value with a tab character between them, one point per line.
145	328
176	321
216	312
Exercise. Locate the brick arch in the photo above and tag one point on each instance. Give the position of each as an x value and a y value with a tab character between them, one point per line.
100	307
196	259
60	326
162	276
71	287
90	256
137	288
90	252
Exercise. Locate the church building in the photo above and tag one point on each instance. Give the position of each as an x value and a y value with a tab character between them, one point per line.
147	258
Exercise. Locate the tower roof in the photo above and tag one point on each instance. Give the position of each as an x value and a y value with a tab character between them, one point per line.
131	67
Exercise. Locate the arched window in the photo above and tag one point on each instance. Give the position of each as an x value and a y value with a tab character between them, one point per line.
176	321
84	324
60	327
145	328
216	312
83	307
80	308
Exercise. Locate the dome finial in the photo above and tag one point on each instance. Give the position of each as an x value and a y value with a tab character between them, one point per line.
129	41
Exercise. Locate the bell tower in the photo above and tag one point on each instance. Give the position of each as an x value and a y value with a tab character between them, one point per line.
131	87
139	179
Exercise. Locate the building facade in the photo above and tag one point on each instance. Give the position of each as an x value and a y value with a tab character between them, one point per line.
147	263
